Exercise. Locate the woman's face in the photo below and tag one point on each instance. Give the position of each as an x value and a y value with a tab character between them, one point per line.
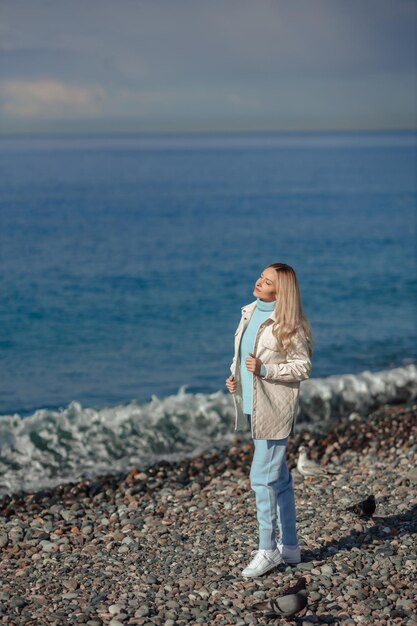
265	286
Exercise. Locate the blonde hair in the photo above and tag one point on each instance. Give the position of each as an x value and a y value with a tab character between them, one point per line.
289	309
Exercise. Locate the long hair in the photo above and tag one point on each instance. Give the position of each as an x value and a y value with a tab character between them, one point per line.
289	309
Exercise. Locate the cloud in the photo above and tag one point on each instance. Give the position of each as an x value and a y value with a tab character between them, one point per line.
252	63
45	98
157	42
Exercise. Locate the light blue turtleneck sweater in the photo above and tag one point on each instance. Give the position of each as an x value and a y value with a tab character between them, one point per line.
261	312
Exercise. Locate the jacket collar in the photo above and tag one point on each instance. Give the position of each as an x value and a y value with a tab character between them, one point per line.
248	309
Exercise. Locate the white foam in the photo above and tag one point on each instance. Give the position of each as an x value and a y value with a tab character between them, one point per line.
324	398
52	447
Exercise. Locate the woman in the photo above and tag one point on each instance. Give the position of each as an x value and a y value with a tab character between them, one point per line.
272	355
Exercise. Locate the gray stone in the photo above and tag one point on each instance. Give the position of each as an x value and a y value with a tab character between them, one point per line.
18	602
143	611
305	566
48	546
115	609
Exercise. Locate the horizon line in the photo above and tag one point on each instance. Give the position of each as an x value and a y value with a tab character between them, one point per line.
5	134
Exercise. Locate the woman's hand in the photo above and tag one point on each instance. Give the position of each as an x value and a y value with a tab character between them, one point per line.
231	384
253	364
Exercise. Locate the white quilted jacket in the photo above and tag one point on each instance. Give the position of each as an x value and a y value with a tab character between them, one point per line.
275	396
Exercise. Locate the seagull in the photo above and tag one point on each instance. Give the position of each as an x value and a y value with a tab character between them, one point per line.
306	466
365	508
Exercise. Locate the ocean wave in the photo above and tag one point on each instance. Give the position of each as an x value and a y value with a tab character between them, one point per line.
334	396
51	447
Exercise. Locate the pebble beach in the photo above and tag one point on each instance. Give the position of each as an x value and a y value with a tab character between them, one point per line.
165	545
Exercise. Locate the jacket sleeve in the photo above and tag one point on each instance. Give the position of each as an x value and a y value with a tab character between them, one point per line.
297	367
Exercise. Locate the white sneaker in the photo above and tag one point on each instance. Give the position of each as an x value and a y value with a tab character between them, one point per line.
263	561
290	554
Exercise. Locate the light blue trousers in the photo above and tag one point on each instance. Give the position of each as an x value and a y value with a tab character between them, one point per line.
272	483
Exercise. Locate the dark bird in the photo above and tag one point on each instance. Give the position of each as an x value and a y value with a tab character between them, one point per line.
285	606
293	601
366	508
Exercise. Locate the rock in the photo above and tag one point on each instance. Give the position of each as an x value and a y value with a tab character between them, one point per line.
16	535
305	566
18	602
326	570
70	584
48	546
115	609
412	475
143	611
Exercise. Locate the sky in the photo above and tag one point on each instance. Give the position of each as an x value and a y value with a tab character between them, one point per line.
207	65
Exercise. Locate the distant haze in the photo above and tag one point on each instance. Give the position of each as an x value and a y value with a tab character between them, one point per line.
214	65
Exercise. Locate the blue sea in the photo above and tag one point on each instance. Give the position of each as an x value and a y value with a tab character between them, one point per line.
125	260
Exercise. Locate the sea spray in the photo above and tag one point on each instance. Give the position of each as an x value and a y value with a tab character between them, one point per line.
51	447
336	396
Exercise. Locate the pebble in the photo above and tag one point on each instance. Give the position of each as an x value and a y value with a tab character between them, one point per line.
165	545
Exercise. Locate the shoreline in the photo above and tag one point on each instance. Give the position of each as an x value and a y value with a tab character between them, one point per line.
165	544
49	448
